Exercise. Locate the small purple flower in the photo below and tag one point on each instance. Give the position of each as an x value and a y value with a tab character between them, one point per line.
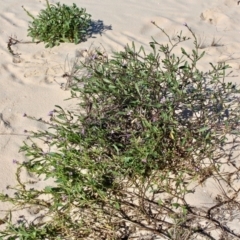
24	115
185	24
50	138
64	197
163	100
51	113
129	112
83	131
44	153
15	161
144	160
89	75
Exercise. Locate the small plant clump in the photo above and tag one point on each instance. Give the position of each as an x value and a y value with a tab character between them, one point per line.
148	125
59	23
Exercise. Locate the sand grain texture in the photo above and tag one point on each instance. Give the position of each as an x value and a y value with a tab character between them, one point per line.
30	83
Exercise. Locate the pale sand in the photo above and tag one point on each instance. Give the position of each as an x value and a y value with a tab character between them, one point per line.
29	86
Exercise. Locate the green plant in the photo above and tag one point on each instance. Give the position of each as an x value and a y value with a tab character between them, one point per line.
59	23
148	125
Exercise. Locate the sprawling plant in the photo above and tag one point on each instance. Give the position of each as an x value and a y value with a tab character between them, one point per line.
59	23
148	125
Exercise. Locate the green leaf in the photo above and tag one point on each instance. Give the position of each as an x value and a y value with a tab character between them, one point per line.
137	88
203	129
117	206
48	189
107	80
176	205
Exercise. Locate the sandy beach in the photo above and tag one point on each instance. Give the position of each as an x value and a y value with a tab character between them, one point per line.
31	82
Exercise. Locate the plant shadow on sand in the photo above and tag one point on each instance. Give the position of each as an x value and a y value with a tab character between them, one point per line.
97	27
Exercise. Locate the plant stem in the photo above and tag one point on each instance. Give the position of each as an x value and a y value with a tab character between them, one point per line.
48	5
28	13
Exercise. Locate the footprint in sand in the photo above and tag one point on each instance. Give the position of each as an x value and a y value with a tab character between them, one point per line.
4	124
5	129
41	66
17	59
230	3
35	68
42	54
215	17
